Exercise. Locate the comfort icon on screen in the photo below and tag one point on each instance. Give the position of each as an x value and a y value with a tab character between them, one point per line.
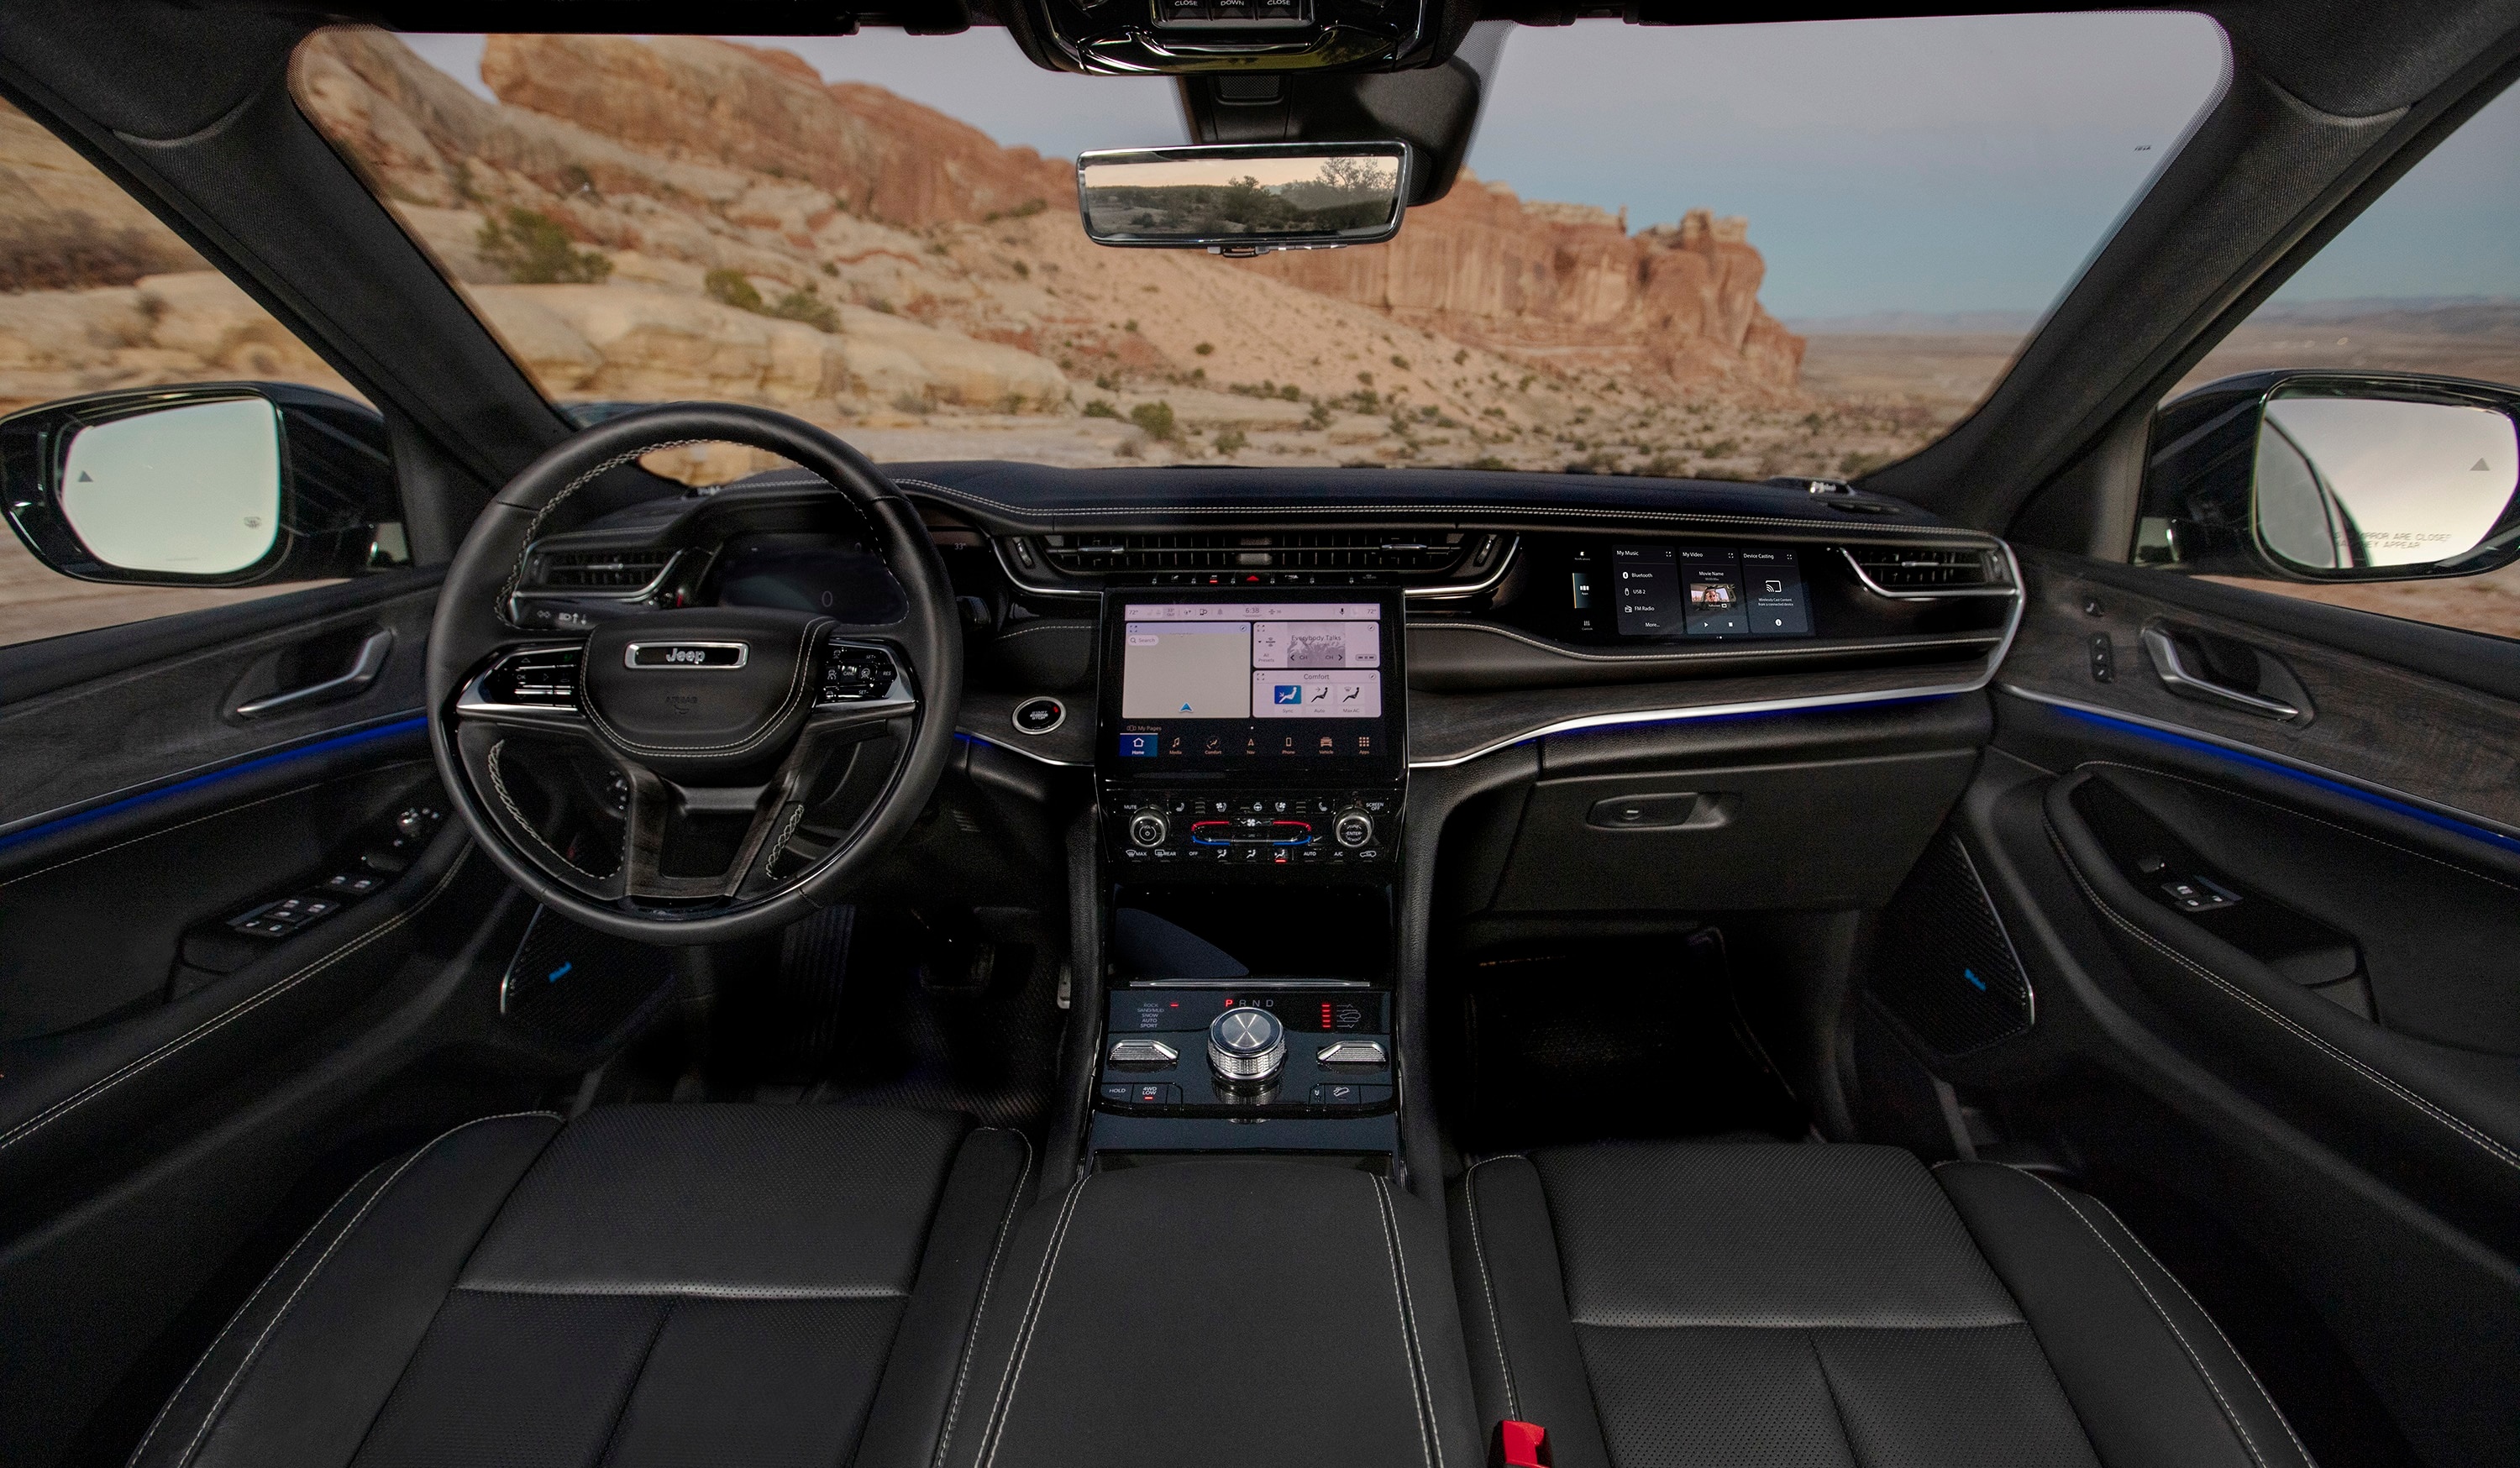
1288	692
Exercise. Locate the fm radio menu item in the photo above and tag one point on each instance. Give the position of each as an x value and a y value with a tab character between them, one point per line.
1708	591
1233	681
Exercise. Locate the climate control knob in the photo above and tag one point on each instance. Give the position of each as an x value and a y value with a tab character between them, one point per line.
1148	829
1245	1046
1352	828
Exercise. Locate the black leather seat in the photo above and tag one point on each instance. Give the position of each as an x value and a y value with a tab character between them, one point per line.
1673	1304
645	1285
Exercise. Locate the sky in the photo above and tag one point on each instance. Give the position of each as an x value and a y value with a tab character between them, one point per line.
1933	165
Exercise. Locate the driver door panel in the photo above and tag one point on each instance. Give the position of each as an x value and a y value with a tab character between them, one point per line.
151	825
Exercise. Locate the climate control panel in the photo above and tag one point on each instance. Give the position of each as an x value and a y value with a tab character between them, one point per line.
1274	834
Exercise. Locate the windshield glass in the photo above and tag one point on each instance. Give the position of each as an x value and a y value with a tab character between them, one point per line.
1731	251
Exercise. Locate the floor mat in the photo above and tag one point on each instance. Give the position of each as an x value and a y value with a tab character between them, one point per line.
870	1008
1627	1039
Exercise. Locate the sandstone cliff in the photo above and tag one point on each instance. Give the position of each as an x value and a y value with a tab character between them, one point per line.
1565	285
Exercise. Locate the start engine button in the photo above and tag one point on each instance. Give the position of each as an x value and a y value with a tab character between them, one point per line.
1038	715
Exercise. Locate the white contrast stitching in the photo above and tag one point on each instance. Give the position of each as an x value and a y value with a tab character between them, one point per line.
1045	626
2181	1336
169	830
534	526
499	784
981	1307
2285	809
2262	1394
254	1352
2281	1020
1004	1403
1487	1286
129	1069
1427	1440
246	1309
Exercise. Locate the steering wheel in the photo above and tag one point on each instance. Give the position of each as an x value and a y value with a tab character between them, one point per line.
715	736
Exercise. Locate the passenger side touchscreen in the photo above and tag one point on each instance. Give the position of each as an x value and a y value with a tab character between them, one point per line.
1240	685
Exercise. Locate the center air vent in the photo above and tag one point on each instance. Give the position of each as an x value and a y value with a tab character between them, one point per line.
1929	571
619	571
1256	550
1435	561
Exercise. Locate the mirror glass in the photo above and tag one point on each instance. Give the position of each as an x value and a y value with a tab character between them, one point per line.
1235	197
2346	482
193	490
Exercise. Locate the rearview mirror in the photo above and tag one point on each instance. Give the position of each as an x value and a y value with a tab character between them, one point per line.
1243	199
219	484
2332	476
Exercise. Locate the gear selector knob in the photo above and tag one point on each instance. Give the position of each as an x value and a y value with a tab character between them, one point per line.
1247	1046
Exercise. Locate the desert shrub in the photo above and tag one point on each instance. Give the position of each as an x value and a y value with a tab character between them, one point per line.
1487	462
69	251
1099	408
1231	440
911	402
1205	348
729	288
808	306
1157	421
534	250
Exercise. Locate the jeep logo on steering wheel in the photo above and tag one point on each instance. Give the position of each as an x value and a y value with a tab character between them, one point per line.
685	654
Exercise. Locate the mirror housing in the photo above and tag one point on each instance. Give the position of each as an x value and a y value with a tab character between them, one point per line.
2333	476
1243	199
323	476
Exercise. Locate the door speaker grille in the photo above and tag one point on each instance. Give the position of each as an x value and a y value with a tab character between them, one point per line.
1944	969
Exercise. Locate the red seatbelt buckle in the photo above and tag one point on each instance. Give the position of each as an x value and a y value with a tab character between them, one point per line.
1519	1445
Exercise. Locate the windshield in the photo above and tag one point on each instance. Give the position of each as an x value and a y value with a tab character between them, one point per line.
1731	252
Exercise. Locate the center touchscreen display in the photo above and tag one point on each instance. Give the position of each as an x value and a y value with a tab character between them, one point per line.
1238	686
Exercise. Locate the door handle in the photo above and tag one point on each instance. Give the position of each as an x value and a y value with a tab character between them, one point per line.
2170	665
364	669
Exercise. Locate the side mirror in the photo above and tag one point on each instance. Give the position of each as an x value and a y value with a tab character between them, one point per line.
219	484
2334	477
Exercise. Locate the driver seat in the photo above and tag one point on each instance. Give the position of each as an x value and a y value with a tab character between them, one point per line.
643	1285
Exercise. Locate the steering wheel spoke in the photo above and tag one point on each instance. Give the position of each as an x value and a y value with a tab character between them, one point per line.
531	687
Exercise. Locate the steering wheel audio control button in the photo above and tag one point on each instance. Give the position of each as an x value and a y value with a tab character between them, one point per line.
1038	715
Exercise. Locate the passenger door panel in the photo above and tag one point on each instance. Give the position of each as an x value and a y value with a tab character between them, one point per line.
2272	962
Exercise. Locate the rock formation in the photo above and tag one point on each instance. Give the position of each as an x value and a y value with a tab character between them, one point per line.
1564	284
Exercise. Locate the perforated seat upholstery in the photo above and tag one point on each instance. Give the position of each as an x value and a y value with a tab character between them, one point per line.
1656	1305
645	1285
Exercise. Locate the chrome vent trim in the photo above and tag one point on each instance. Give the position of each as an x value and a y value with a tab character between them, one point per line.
1925	573
1426	564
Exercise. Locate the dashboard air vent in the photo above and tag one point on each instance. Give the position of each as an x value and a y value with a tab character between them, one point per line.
599	570
1109	552
1928	570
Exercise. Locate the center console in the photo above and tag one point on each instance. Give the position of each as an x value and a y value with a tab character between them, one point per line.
1251	767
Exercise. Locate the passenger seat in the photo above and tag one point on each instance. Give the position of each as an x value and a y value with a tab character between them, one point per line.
1661	1305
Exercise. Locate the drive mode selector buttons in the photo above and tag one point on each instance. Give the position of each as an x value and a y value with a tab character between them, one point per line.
1148	829
1353	828
1246	1044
